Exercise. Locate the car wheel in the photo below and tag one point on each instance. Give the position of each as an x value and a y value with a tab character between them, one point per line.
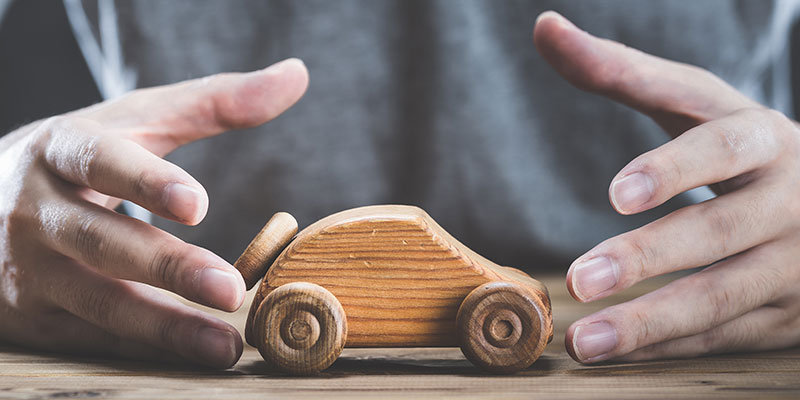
500	327
301	328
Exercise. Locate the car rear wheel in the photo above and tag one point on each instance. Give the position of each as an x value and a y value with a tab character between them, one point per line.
301	328
500	327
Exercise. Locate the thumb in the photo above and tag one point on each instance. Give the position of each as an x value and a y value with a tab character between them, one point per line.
677	96
165	117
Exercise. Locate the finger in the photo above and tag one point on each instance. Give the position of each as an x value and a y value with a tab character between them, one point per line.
77	150
62	332
165	117
716	151
685	307
759	330
140	313
126	248
675	95
690	237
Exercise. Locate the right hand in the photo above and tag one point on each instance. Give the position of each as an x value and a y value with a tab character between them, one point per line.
77	277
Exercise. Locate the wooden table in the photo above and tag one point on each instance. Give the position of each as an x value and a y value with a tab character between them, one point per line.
411	373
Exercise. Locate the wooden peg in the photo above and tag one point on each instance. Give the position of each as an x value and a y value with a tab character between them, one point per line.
501	327
301	328
265	247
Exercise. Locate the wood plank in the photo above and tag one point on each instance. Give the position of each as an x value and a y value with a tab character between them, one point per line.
411	373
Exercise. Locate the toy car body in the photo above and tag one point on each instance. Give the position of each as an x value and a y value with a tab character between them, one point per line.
387	276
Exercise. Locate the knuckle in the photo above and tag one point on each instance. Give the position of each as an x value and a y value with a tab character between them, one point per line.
729	337
731	143
664	169
604	82
89	238
230	113
62	142
721	224
717	299
140	185
710	341
787	319
640	259
767	284
164	267
87	167
168	333
646	329
771	132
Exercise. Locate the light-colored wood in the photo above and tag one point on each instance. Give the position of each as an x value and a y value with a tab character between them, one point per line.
399	275
265	247
301	327
418	373
501	327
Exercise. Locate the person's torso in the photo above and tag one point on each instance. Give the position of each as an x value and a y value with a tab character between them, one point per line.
441	104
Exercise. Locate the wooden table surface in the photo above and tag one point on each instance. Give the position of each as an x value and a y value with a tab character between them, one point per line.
410	373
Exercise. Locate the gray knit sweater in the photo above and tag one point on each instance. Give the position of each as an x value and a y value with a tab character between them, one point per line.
441	104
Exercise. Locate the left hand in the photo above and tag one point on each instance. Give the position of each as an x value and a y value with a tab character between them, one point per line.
750	155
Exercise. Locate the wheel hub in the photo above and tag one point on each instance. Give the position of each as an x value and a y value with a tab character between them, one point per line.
301	330
502	328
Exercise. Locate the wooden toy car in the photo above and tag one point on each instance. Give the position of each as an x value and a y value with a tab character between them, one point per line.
386	276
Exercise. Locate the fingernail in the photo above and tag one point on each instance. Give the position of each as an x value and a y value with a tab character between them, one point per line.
216	347
185	202
281	65
592	341
556	16
594	276
219	288
632	191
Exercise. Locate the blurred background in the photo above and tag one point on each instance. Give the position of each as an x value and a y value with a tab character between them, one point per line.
43	73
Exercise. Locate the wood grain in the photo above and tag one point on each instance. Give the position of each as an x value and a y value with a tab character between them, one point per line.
302	328
399	276
419	373
500	327
265	247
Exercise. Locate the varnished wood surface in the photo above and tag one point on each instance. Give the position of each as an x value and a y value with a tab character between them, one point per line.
265	247
301	328
399	275
500	327
410	373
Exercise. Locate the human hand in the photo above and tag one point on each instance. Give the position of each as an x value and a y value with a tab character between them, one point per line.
77	277
749	299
